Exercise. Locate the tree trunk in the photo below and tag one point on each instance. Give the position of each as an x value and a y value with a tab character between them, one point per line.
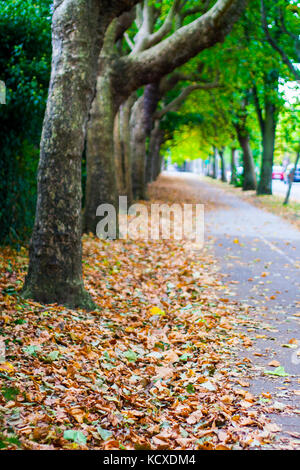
215	166
101	182
210	169
138	149
158	164
233	179
223	168
291	180
269	129
125	113
151	99
156	140
149	163
119	156
249	177
267	124
55	272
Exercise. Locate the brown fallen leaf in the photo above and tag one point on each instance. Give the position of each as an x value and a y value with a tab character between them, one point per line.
274	363
272	427
195	417
293	341
164	372
171	356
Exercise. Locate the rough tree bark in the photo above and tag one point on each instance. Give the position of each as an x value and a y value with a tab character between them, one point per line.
215	165
156	141
223	168
268	123
100	157
141	67
233	163
243	135
249	175
141	126
122	149
268	142
153	94
125	114
137	148
55	271
119	156
265	182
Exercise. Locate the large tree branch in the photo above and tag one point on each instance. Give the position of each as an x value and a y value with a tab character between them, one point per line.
156	37
146	38
124	22
258	109
169	82
136	70
275	45
145	24
117	7
176	103
139	16
129	42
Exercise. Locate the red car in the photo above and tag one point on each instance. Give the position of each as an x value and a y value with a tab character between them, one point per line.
278	173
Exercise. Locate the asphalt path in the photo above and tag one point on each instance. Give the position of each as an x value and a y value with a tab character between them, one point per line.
280	189
258	254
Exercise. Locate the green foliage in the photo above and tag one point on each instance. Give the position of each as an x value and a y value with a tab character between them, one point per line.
288	140
245	61
186	145
76	436
25	56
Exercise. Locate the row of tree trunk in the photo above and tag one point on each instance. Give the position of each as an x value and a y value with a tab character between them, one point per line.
85	58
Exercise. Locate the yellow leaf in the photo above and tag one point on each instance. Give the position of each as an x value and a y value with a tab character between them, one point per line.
6	367
156	311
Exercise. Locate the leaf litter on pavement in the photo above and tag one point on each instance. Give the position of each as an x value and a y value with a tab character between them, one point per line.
160	364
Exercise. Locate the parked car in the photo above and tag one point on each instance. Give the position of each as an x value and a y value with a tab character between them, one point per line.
288	173
277	173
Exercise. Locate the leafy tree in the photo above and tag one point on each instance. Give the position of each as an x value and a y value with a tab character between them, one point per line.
25	55
251	99
156	52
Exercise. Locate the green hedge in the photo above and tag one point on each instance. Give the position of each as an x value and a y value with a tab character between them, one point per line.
25	63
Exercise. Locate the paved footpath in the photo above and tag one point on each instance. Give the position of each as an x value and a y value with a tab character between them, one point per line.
259	255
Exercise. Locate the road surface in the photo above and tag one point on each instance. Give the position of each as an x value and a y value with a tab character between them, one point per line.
280	189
